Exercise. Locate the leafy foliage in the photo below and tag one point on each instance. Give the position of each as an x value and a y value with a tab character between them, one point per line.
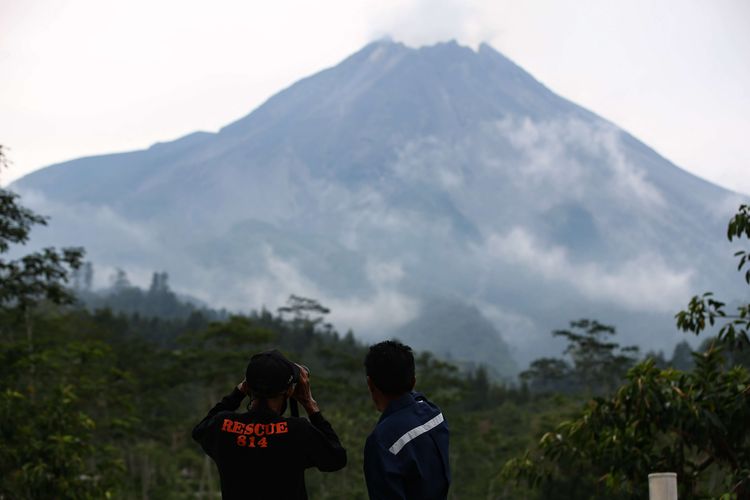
690	422
704	311
36	276
52	448
47	450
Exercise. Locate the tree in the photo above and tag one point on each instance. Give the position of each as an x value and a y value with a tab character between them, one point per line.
546	375
88	276
82	278
682	357
48	450
705	311
305	316
597	365
120	280
690	423
694	423
221	351
159	284
304	311
37	276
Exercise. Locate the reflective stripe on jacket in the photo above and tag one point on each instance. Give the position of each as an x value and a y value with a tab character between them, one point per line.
406	456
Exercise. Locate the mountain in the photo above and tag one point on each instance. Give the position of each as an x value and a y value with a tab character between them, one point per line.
400	176
453	330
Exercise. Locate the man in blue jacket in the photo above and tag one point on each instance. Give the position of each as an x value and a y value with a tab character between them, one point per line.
406	455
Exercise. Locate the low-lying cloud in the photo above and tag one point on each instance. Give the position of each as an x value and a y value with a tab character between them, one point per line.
370	315
642	283
565	153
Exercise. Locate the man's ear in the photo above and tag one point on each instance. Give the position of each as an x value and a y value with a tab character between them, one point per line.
413	382
370	384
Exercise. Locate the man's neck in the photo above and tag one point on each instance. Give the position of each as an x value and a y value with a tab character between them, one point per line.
274	404
385	400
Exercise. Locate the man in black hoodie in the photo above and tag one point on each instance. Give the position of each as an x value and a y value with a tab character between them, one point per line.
261	454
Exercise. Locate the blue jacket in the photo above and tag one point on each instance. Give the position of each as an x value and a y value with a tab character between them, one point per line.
406	456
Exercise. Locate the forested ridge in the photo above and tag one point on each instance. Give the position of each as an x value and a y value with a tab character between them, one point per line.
112	398
100	404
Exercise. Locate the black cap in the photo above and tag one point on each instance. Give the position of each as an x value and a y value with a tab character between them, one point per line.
270	373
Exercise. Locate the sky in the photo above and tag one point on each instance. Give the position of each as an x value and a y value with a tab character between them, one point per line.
85	77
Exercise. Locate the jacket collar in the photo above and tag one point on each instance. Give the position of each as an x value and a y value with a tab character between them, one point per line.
397	404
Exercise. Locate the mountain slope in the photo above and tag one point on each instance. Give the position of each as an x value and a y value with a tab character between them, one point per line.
402	174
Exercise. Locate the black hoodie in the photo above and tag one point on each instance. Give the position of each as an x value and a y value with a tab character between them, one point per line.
262	455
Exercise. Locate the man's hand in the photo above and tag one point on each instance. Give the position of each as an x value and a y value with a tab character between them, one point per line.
303	394
242	387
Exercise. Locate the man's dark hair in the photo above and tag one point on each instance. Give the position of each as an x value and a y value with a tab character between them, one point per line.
390	366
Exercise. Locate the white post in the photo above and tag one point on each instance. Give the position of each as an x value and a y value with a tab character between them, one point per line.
662	486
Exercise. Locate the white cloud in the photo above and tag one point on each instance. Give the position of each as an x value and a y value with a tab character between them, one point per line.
375	316
521	332
643	282
270	284
102	224
369	316
553	152
430	160
384	273
727	206
424	22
